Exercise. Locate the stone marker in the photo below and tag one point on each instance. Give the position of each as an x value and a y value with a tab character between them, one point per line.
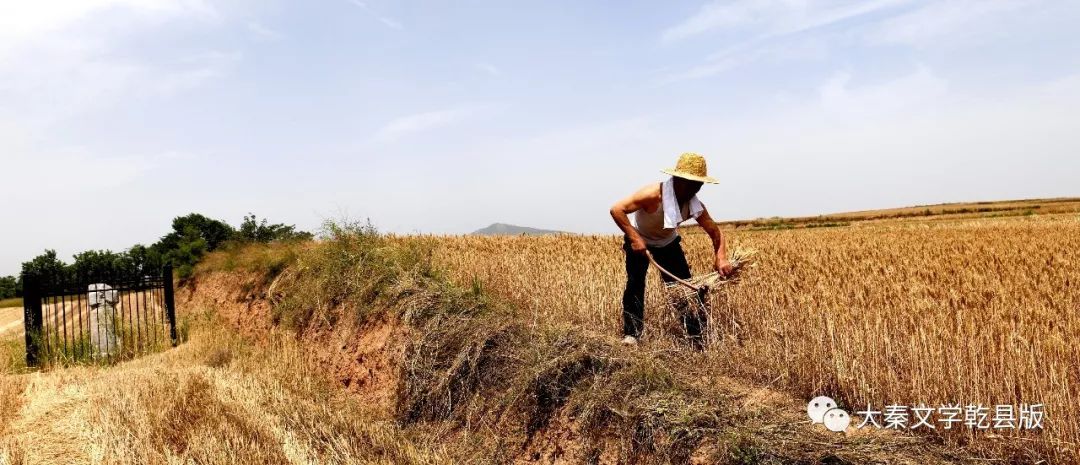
103	299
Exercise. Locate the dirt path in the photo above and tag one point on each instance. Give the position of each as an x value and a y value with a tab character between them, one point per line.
11	319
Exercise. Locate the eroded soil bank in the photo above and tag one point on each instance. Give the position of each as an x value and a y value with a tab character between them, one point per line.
543	395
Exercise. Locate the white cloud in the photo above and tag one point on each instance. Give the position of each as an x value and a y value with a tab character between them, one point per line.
191	72
489	68
766	26
386	20
771	18
921	89
807	49
52	67
73	171
51	81
22	21
943	24
812	19
716	65
390	22
715	15
262	32
419	122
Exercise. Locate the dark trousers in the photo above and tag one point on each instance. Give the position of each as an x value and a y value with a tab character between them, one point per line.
670	257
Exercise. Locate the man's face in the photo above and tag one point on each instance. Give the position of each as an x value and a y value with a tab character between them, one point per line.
686	188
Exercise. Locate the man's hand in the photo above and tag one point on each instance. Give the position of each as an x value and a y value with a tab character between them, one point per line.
637	244
723	266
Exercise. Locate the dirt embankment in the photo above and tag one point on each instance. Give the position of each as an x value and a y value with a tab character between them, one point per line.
560	418
362	357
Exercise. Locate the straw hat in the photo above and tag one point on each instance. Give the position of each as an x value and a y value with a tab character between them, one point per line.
691	166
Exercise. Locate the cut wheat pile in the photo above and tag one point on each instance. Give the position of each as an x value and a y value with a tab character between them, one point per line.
740	258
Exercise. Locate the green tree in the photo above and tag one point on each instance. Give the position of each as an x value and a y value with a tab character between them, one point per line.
144	260
253	230
9	287
192	236
44	267
212	232
100	264
190	247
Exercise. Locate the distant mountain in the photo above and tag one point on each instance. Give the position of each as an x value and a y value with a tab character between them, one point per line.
501	229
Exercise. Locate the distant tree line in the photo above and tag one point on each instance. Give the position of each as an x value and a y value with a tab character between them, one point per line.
10	286
192	236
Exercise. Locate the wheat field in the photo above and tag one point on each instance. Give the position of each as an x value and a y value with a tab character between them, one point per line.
971	311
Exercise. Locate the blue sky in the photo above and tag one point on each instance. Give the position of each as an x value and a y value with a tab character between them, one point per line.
438	116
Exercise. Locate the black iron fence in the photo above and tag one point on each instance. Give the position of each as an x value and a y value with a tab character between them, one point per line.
100	318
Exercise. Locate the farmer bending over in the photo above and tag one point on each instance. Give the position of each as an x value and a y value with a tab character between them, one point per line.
658	210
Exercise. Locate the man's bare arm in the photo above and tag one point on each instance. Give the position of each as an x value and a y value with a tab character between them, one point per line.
723	266
621	210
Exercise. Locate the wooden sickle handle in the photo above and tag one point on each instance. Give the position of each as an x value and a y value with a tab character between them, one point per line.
676	278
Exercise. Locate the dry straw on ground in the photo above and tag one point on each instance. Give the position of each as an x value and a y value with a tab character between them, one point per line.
218	398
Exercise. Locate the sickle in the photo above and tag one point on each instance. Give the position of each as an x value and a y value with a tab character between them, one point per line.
676	278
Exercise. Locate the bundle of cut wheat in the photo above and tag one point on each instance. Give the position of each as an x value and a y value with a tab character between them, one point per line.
740	259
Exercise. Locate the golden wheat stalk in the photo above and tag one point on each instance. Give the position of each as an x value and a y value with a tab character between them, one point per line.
740	258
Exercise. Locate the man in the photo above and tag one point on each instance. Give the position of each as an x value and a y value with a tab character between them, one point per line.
658	210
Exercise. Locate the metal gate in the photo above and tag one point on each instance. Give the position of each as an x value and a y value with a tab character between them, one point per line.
99	319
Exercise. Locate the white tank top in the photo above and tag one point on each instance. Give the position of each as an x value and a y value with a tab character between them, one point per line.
651	226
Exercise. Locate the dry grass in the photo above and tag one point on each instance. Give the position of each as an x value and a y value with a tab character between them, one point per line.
217	399
980	311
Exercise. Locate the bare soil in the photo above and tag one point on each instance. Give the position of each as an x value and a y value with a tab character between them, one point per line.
361	358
